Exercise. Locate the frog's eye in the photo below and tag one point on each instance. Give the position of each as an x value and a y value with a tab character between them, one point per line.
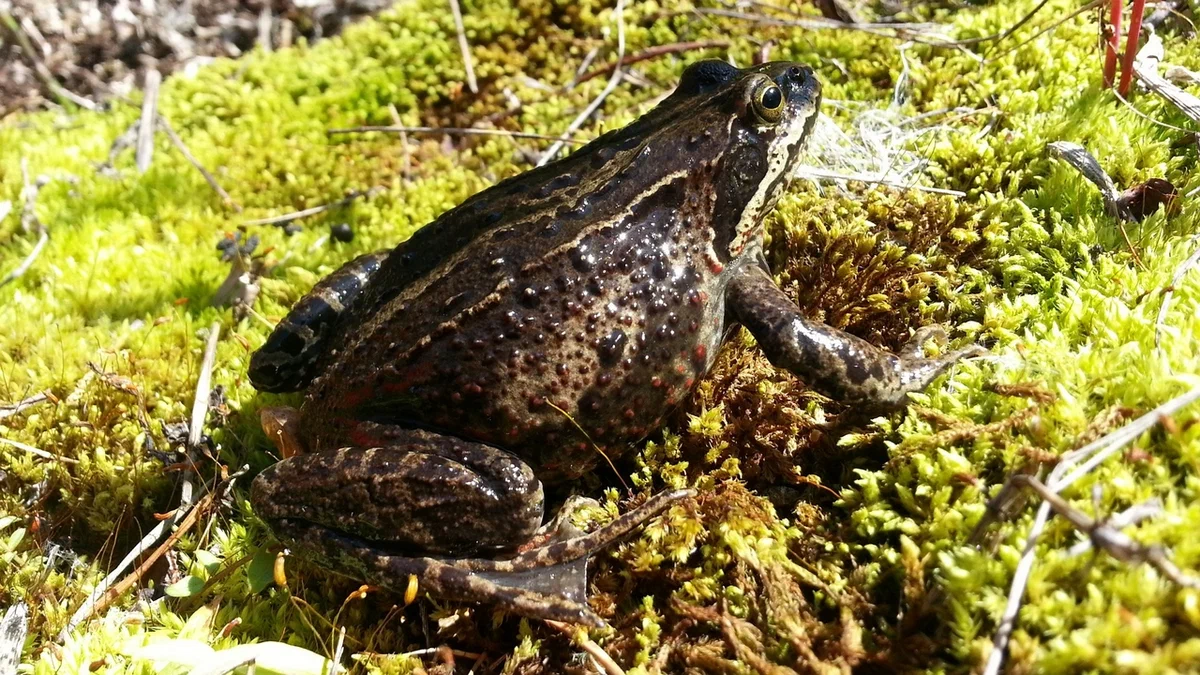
768	101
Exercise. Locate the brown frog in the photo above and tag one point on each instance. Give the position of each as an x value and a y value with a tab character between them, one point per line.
447	379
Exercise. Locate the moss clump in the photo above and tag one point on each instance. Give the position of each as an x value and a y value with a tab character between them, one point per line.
821	542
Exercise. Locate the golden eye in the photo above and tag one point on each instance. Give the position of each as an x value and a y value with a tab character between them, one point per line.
768	101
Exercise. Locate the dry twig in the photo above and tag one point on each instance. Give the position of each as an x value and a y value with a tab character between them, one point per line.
1103	534
145	141
652	53
185	515
38	452
452	131
1145	67
40	68
585	643
464	47
212	182
304	213
1184	267
29	222
1073	466
10	409
613	81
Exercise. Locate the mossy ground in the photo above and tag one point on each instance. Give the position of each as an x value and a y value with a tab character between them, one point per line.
819	540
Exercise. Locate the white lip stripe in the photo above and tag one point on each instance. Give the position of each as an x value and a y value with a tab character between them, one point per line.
779	161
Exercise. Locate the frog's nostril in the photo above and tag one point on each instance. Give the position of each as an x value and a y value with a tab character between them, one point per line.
796	73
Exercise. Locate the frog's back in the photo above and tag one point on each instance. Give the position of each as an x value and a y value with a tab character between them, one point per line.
586	292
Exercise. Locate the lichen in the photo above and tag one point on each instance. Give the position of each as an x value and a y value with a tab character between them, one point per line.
820	541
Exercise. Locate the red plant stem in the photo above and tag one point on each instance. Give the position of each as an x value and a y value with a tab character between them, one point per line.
1131	45
1114	37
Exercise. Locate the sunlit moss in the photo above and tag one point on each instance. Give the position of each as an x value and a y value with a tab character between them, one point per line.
819	541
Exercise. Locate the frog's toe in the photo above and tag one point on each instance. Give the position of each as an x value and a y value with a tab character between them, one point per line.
915	347
917	373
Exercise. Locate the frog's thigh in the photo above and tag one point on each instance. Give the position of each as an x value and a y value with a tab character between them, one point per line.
833	362
424	494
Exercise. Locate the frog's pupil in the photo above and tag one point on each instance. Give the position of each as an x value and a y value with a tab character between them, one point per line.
772	98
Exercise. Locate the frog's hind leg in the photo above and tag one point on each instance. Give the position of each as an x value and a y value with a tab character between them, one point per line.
544	583
287	361
422	493
438	510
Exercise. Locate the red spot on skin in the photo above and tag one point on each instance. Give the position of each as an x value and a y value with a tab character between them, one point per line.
629	413
410	377
701	352
355	397
656	381
689	383
472	388
362	439
680	369
716	267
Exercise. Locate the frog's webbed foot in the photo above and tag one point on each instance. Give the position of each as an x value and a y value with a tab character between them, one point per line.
831	361
547	582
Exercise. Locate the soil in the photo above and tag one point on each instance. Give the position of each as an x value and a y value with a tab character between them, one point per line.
93	50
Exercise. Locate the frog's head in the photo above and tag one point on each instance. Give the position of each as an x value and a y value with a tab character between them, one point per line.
768	111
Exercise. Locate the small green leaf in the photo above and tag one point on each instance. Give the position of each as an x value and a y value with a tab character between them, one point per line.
185	587
15	538
209	561
261	571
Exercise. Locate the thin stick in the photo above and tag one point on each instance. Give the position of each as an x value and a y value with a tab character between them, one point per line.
999	37
21	269
1145	67
1106	536
1091	454
1053	25
596	103
10	409
1184	267
304	213
464	47
107	590
585	643
451	131
29	222
583	66
651	53
145	142
888	30
38	452
212	182
814	173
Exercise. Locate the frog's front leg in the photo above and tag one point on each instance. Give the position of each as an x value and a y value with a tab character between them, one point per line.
428	508
831	361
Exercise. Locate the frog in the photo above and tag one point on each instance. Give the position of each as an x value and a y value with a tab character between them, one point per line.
550	320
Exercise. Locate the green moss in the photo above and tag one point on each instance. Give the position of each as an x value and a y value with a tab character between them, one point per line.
820	541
